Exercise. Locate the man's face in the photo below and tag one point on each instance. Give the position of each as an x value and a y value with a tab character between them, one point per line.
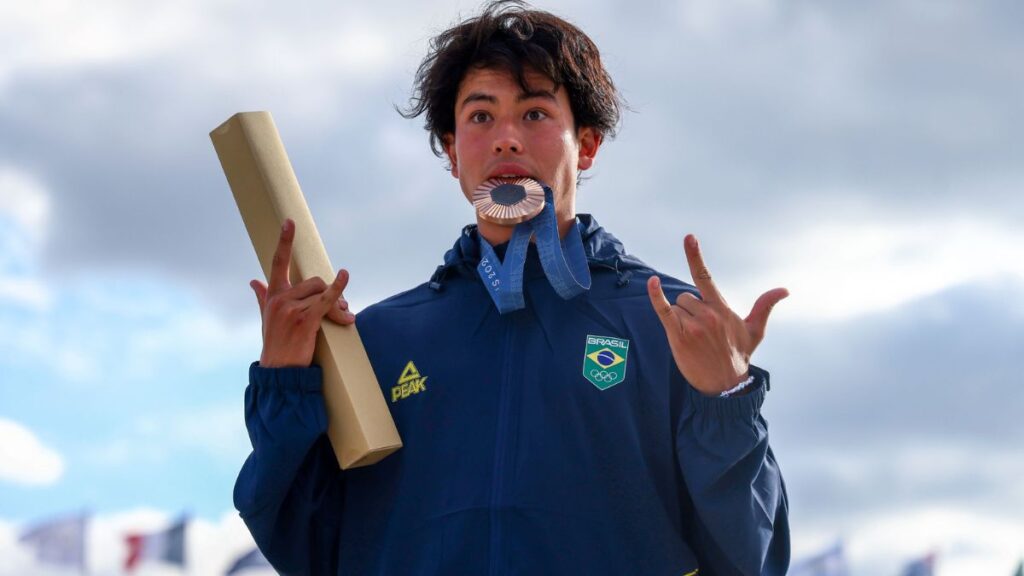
500	130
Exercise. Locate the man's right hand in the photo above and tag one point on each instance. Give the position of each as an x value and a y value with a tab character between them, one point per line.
292	314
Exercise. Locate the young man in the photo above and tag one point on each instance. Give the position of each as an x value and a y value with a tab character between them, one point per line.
601	431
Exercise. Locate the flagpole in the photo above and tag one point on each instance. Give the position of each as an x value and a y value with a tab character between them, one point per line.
83	566
186	557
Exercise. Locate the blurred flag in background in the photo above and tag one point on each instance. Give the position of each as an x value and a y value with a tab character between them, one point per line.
828	562
164	546
921	567
253	559
60	541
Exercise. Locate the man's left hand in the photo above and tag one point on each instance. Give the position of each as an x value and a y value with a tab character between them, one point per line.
710	343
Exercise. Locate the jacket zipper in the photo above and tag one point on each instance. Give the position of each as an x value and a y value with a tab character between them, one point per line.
497	485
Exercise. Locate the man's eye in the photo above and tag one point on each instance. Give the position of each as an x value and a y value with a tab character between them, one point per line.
536	115
478	117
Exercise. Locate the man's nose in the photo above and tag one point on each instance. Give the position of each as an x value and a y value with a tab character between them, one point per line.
507	141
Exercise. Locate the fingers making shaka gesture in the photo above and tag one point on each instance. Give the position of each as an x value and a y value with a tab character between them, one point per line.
292	313
711	344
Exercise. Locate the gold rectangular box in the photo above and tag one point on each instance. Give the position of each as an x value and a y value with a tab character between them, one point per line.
267	192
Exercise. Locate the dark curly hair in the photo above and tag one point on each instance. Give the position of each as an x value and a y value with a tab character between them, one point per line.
509	35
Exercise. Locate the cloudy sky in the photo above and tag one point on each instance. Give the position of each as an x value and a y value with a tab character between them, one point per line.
867	155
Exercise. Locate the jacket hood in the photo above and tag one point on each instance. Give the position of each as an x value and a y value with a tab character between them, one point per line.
603	250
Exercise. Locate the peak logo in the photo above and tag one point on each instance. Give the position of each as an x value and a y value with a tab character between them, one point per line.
409	383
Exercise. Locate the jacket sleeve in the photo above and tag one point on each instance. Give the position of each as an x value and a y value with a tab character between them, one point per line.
739	523
289	491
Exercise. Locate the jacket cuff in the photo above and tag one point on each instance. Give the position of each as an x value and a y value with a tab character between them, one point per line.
298	379
745	405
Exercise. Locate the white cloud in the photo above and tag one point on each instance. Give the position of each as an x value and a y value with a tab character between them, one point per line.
841	268
24	199
132	325
883	541
17	558
710	19
64	33
965	541
24	459
216	431
912	468
958	499
24	226
26	292
257	49
112	330
192	338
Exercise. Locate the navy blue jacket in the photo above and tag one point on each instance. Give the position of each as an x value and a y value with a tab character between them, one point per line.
513	462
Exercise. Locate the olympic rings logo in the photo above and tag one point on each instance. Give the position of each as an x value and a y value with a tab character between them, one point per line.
604	376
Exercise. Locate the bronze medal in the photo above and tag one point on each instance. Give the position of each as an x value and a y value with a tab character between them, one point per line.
508	201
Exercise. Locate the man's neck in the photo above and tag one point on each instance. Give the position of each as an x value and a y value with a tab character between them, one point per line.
496	234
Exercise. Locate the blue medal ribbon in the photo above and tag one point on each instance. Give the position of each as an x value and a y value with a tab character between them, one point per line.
564	261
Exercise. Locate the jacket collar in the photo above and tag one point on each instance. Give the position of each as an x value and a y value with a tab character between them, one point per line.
601	248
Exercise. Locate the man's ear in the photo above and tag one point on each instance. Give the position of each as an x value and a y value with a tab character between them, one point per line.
590	140
449	149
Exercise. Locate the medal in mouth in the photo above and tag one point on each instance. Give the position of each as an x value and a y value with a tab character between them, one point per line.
529	206
509	200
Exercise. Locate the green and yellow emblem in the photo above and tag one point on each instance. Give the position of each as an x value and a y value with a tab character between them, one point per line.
604	361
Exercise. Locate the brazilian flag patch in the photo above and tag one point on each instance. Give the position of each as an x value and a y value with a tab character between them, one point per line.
604	360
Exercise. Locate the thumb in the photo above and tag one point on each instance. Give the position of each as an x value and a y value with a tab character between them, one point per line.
261	293
757	320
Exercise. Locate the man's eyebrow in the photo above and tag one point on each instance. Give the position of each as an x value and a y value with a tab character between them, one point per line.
479	97
545	94
483	97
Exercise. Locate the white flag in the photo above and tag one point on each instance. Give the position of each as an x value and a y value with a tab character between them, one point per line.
60	541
